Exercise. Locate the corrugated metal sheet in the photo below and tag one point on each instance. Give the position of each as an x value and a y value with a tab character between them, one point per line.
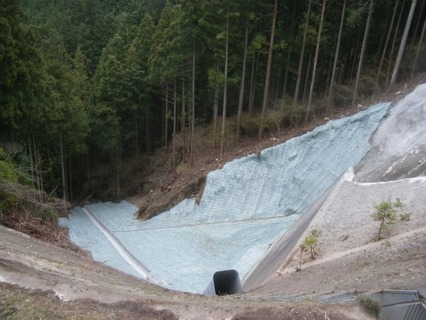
400	305
416	312
410	311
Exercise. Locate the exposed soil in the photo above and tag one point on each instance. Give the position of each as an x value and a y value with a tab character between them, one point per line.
55	283
38	279
350	257
21	220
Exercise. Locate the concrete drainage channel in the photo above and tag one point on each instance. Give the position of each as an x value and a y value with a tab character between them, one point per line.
136	265
223	283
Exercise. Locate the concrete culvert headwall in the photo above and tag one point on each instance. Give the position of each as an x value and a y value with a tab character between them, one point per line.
223	283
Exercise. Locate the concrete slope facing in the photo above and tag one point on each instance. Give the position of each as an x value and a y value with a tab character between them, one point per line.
245	207
399	144
124	253
283	247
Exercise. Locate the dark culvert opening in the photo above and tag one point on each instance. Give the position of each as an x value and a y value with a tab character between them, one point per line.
223	283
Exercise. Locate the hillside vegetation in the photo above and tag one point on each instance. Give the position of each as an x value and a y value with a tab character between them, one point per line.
141	99
91	88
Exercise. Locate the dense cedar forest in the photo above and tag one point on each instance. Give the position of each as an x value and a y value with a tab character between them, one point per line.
90	84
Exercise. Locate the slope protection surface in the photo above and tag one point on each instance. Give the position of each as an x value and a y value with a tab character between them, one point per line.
245	207
399	144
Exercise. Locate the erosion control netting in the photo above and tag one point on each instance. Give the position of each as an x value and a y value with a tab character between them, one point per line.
245	207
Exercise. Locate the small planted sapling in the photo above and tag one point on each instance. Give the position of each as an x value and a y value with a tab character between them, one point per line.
385	214
302	248
405	216
310	242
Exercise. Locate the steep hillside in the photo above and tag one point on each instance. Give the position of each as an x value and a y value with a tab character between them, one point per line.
39	280
51	283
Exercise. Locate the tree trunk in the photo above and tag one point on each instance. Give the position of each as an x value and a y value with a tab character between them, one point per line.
88	172
70	185
136	128
336	59
183	111
37	169
379	47
225	85
117	166
276	88
268	71
382	223
302	53
394	43
30	150
193	107
402	45
166	118
174	127
183	118
64	182
147	131
254	68
243	78
307	77
382	59
363	48
314	70
413	69
289	53
353	56
215	114
419	21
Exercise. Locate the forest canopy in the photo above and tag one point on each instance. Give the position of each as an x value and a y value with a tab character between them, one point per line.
85	83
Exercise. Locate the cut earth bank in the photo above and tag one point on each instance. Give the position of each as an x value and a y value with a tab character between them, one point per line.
42	281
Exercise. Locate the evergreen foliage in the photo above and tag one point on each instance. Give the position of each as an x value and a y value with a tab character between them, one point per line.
7	169
386	214
101	81
310	242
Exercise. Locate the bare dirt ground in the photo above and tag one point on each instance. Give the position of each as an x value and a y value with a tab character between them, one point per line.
56	283
350	258
41	280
